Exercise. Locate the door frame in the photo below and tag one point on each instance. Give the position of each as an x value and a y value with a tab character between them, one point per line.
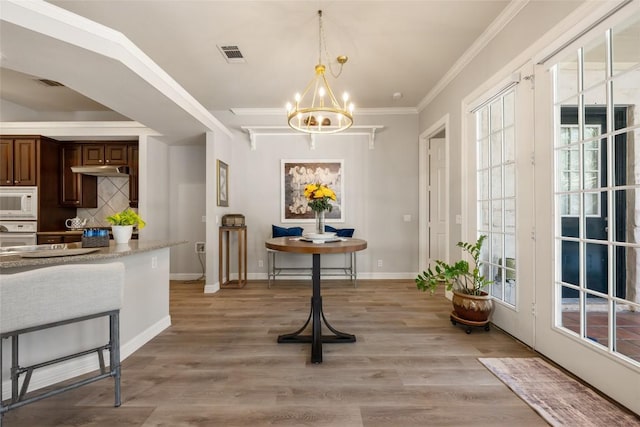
423	210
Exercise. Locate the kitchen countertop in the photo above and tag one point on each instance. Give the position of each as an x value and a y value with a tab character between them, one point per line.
8	262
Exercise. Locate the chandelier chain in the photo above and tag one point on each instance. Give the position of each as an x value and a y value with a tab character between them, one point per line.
322	40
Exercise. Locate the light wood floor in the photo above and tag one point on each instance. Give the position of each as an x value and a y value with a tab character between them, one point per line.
220	365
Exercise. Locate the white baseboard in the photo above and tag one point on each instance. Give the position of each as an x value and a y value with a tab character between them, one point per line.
211	288
185	276
82	365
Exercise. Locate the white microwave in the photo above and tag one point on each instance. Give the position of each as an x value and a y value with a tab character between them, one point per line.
19	203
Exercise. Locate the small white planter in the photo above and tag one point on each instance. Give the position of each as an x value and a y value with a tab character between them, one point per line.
122	233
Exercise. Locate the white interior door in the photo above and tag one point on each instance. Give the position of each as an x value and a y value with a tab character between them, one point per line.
437	222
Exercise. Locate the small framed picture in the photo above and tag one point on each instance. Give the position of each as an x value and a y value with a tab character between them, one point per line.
223	183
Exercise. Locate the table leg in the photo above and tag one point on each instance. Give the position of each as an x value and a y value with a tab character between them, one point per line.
316	315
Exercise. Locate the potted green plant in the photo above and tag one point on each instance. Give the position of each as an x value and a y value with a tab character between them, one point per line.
470	301
122	224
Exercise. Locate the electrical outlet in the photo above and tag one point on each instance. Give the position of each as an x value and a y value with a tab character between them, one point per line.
379	263
154	262
200	247
260	263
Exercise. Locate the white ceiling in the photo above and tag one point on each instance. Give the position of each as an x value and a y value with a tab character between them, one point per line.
393	46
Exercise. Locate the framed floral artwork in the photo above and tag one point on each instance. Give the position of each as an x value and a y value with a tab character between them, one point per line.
223	183
296	174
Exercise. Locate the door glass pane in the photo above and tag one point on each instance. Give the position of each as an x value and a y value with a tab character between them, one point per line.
597	320
482	123
570	270
496	215
626	39
567	79
483	185
496	149
509	145
510	180
627	211
596	267
483	153
627	321
496	115
625	92
509	109
570	314
626	262
510	216
483	220
598	229
496	182
594	62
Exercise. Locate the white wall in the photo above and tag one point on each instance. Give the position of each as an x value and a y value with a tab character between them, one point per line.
153	183
381	186
187	195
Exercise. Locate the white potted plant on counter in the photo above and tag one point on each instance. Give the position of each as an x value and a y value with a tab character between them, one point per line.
122	224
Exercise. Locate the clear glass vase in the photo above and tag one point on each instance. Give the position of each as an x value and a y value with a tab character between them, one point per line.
319	222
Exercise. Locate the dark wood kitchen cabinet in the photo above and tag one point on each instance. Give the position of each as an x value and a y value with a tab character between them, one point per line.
104	154
77	190
18	161
49	239
132	155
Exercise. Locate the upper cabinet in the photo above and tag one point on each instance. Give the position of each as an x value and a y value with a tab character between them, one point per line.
18	161
78	191
104	154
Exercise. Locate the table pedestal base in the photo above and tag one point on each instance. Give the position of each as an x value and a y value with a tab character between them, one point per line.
316	316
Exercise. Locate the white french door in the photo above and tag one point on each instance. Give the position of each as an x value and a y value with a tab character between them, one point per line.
502	162
588	138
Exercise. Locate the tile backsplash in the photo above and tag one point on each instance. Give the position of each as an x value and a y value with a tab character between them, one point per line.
113	196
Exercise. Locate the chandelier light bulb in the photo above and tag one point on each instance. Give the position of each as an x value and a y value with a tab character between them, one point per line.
345	97
297	97
289	107
321	91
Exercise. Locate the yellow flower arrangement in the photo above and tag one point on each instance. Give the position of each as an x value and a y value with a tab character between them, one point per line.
319	197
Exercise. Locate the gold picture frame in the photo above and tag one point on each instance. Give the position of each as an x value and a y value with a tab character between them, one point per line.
222	190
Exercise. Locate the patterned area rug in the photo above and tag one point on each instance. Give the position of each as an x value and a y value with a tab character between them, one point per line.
558	398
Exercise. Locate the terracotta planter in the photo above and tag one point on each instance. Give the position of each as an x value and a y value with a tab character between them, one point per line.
476	308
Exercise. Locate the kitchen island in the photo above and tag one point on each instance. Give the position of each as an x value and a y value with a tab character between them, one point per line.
144	313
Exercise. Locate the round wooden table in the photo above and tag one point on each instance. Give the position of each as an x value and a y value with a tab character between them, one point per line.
316	315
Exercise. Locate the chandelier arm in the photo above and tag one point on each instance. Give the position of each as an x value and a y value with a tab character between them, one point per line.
332	97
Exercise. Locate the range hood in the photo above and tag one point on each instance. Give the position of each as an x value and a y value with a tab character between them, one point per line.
102	170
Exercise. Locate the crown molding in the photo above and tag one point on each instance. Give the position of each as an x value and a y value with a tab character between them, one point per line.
509	12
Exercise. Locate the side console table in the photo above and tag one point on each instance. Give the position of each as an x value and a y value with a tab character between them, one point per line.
223	256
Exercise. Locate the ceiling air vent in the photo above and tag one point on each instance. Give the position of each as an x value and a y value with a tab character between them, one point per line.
51	83
232	54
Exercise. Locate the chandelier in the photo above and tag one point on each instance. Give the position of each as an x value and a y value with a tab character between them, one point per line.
317	110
